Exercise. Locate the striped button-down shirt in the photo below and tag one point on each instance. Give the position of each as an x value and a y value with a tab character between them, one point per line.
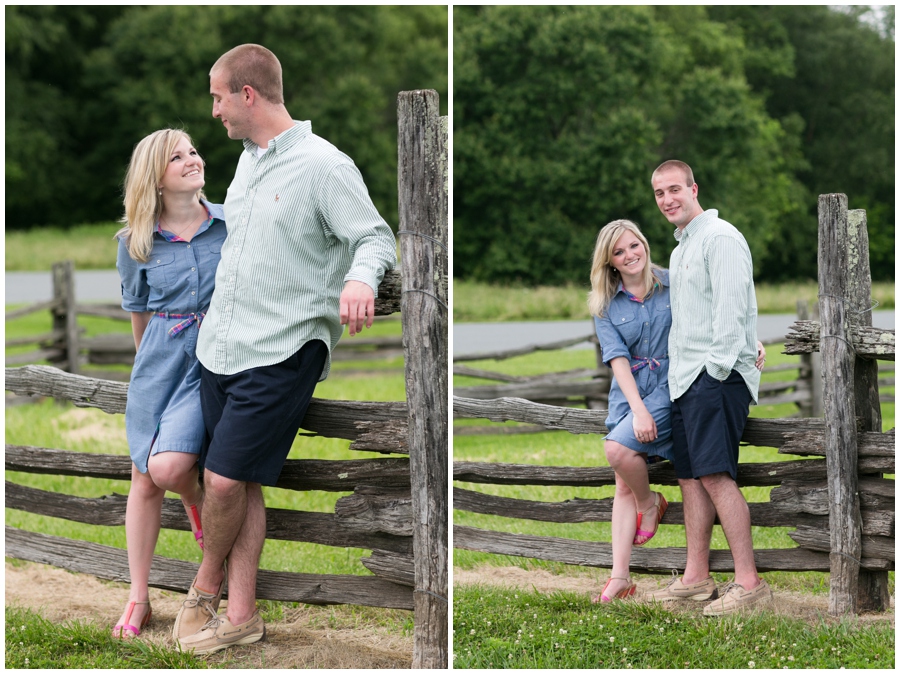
713	305
300	225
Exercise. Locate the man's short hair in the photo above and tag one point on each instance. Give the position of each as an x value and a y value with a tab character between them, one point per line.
255	66
675	164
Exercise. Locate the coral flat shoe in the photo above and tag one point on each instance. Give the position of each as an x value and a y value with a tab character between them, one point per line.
660	505
624	593
118	631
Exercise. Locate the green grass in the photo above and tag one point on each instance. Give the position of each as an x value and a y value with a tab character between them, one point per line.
89	246
481	302
35	643
524	630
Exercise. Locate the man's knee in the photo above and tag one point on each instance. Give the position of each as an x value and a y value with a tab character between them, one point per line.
718	483
217	485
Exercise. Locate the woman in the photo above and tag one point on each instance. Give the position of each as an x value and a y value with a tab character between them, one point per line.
168	253
629	300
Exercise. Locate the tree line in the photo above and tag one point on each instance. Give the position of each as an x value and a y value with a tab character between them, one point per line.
561	114
85	83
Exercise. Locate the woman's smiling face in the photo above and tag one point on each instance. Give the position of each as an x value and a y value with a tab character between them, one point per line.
628	256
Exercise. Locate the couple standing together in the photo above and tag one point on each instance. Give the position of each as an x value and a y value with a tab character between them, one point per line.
686	365
304	254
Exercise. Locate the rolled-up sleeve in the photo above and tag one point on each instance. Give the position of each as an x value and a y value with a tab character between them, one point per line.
730	274
352	217
135	290
611	342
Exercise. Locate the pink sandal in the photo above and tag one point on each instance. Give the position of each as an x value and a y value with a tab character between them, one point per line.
119	630
624	593
661	505
195	516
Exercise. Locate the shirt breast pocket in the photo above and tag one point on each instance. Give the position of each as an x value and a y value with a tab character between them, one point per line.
663	313
161	272
625	321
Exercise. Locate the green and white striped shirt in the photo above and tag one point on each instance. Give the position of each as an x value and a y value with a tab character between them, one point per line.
300	224
713	305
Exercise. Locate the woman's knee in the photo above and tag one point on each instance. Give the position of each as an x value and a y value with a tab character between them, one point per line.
616	453
172	470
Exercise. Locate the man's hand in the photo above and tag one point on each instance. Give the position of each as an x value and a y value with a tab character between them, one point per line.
357	306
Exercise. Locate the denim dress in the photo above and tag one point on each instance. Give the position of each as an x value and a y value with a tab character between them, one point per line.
176	283
639	331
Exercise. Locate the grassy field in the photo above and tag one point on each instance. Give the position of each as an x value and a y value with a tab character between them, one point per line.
89	246
495	644
480	302
525	630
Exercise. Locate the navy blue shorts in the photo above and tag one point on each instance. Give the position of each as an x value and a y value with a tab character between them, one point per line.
252	417
707	424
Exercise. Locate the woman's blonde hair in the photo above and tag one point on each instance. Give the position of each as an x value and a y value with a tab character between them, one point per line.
143	205
604	277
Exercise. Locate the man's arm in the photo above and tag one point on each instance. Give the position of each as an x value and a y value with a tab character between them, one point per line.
731	276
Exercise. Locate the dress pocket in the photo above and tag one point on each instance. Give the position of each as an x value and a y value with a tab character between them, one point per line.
627	323
161	271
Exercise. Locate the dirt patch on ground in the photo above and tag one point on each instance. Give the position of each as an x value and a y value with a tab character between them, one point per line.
300	640
793	604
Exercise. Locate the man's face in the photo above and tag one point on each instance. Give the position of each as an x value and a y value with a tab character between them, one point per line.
229	107
675	199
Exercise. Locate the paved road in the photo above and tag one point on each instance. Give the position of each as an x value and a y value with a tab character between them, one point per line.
484	337
103	286
24	287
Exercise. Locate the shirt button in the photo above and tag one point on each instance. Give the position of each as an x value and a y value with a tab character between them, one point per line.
193	293
193	269
189	245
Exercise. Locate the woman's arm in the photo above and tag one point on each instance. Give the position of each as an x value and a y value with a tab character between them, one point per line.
139	322
644	425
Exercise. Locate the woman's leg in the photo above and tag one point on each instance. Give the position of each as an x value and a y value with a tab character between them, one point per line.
624	518
177	472
142	516
631	467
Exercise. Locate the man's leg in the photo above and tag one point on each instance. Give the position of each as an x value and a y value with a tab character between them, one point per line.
699	515
734	515
243	561
224	512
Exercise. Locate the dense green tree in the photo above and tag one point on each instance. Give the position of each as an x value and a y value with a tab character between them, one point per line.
561	114
147	67
840	87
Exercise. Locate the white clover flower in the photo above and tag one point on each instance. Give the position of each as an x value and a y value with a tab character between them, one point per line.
562	631
611	639
624	650
751	664
471	631
791	658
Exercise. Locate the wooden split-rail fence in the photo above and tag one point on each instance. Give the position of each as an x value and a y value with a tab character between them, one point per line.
66	347
835	499
589	387
398	508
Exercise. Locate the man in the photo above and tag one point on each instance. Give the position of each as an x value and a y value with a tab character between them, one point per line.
304	255
712	380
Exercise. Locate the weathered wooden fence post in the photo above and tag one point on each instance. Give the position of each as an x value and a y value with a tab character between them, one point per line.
422	176
873	585
65	318
838	358
809	379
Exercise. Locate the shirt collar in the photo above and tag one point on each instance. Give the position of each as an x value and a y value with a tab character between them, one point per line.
697	223
284	140
663	279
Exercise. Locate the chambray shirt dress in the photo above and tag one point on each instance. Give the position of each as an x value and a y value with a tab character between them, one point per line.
163	408
640	332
